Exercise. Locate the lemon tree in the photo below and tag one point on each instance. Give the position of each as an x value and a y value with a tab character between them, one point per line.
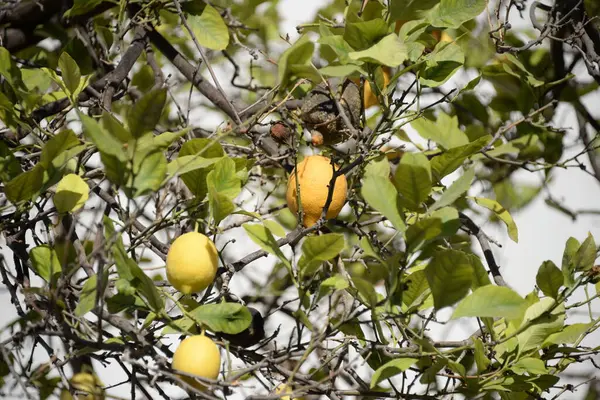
198	202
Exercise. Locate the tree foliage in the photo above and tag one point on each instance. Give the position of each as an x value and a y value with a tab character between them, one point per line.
124	124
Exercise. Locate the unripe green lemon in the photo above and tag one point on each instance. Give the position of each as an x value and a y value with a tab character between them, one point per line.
197	355
192	263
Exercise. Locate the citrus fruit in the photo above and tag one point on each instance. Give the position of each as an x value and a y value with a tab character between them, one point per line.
87	386
369	98
314	175
442	36
192	263
197	355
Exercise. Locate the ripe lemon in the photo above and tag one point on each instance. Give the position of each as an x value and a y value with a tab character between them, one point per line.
369	98
314	175
442	36
87	386
197	355
192	263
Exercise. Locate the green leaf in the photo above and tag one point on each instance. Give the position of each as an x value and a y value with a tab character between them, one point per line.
443	222
149	143
341	70
457	368
529	365
544	323
321	248
58	144
230	318
549	279
390	51
480	275
417	289
450	160
441	64
569	334
586	254
331	284
82	7
444	131
449	274
430	373
339	46
45	262
568	264
381	194
263	237
111	124
456	190
379	166
149	173
70	72
275	228
501	213
184	324
102	139
224	179
391	368
71	193
360	35
10	71
299	54
410	9
364	291
491	301
184	164
453	13
87	298
9	165
481	360
210	29
413	179
421	232
194	171
219	204
146	112
128	269
26	185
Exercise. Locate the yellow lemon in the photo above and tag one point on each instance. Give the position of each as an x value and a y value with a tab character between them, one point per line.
369	98
197	355
192	263
442	36
87	386
314	175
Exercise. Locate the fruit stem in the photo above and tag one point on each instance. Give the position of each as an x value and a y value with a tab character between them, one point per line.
183	311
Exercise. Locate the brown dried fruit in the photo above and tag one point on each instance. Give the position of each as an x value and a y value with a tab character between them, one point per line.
280	132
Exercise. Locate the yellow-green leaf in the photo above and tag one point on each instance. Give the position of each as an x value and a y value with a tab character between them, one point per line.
501	213
71	193
210	29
